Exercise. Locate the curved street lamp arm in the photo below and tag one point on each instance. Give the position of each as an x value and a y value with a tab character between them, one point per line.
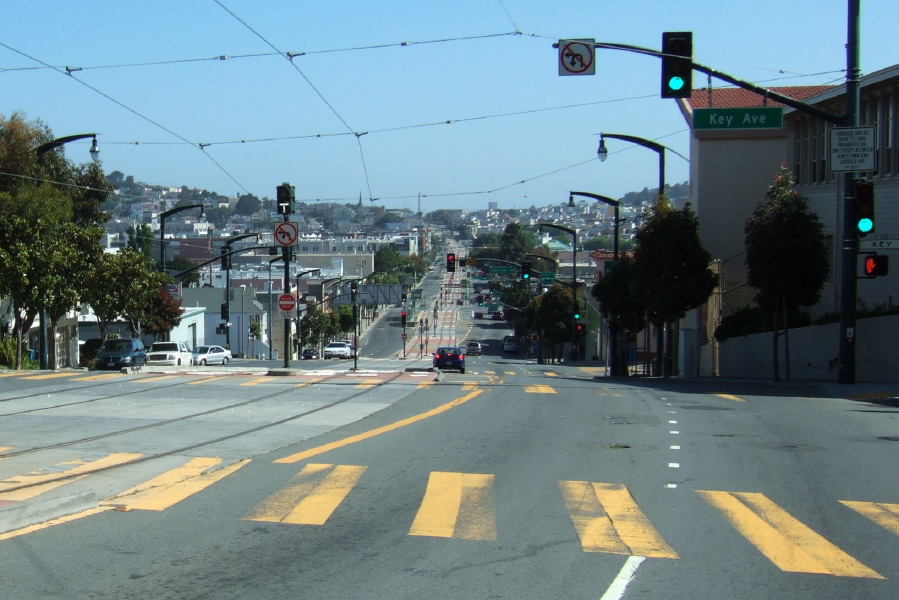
606	199
54	144
635	140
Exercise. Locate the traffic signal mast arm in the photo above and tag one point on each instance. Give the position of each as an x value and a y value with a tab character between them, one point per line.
788	101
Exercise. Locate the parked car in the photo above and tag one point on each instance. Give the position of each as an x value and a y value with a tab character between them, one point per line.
211	355
121	353
498	316
511	346
309	354
473	349
450	357
169	353
337	349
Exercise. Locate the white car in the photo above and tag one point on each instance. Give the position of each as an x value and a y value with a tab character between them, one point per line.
338	350
170	354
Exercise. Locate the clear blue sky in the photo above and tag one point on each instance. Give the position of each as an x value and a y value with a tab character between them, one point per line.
520	134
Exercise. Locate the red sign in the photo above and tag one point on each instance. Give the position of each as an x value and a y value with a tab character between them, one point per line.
287	302
404	336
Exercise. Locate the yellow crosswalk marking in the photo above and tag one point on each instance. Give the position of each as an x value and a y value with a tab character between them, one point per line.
37	483
154	378
539	389
368	383
13	374
205	380
310	497
885	515
52	375
509	373
731	397
99	377
174	486
551	374
427	384
457	505
788	543
255	381
607	519
469	385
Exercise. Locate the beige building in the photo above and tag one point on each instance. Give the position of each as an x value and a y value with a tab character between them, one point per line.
732	168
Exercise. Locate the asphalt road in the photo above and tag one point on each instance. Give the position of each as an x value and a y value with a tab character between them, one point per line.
515	480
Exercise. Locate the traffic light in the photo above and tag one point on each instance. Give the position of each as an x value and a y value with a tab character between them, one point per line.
876	265
577	316
580	328
677	64
525	271
226	259
354	286
225	314
451	262
403	315
864	207
284	198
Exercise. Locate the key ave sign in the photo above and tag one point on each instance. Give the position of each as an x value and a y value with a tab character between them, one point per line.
738	118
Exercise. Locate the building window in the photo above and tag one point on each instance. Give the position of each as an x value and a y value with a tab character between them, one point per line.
875	122
888	135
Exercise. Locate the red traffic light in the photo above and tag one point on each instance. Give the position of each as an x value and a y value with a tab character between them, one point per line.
403	313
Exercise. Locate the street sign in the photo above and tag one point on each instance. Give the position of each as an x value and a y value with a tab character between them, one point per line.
547	277
852	149
286	233
880	241
404	336
287	303
503	270
759	117
576	57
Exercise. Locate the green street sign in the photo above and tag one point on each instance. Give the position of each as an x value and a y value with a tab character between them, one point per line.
503	270
547	277
738	118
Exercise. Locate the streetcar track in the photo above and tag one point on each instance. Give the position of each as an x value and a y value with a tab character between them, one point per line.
148	457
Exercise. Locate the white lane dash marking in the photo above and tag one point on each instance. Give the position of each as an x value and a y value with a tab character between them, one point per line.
624	577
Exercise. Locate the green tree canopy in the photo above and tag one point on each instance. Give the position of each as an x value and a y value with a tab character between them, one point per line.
786	252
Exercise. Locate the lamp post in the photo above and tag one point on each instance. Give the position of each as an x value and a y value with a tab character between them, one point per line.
226	265
41	150
614	359
162	218
660	150
573	233
243	288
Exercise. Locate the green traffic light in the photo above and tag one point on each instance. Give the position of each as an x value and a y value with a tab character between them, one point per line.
865	225
577	316
676	83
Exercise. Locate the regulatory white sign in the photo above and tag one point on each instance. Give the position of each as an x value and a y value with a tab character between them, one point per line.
576	57
852	149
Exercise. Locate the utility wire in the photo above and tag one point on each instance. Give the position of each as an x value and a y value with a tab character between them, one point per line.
128	108
289	58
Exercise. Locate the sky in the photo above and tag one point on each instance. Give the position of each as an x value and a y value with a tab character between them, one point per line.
437	104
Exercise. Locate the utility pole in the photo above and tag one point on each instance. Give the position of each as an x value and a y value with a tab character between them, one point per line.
849	252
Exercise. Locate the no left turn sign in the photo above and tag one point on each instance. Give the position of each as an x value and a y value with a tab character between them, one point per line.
576	57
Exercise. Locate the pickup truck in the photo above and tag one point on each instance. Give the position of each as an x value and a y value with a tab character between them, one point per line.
337	349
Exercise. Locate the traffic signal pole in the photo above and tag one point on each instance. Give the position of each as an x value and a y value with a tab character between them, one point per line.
849	250
849	235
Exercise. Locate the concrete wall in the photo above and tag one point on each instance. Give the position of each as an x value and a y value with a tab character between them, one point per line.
813	353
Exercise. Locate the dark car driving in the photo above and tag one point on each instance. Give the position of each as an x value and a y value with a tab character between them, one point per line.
450	357
121	353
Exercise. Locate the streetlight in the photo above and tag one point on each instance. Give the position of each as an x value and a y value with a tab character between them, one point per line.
243	288
162	218
226	265
660	150
573	233
41	150
614	362
603	152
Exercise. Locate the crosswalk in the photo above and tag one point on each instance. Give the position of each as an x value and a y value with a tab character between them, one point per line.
605	516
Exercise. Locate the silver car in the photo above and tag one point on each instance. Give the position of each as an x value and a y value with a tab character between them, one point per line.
211	355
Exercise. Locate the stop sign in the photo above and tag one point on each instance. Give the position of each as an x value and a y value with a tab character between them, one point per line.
286	302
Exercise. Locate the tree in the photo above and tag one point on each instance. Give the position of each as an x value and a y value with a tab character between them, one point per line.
620	306
786	253
312	327
247	205
554	315
140	238
387	259
162	314
515	242
180	263
671	273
